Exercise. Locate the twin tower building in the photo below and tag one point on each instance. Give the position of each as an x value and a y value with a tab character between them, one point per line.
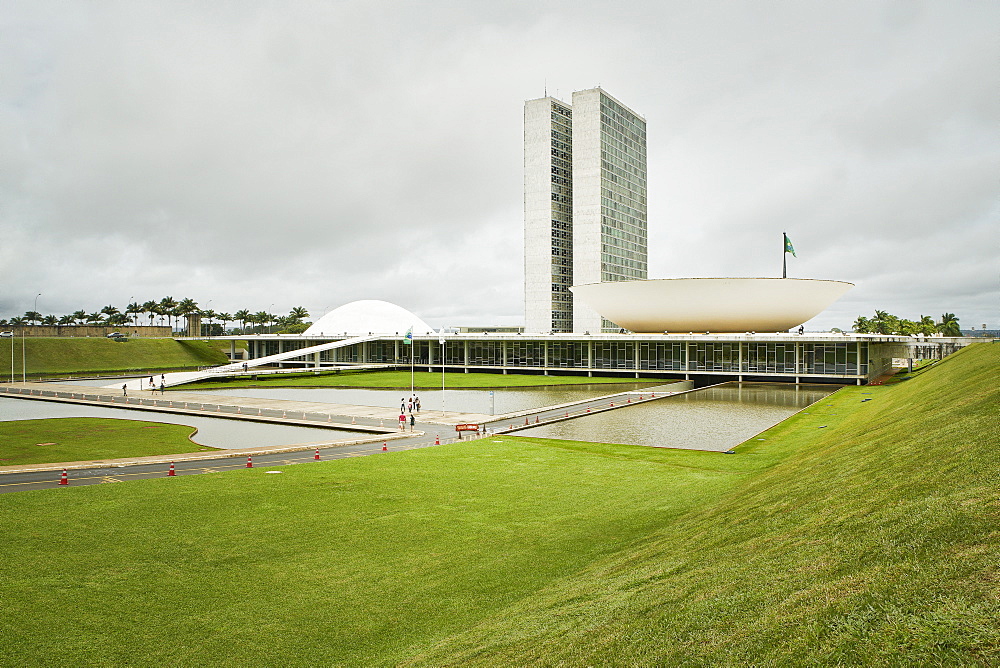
584	206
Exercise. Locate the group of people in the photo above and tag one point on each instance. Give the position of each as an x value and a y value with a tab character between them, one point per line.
152	385
411	406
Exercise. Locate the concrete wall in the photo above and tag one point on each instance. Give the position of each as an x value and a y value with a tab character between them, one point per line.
98	331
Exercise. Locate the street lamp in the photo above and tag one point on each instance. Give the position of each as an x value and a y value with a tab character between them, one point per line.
24	370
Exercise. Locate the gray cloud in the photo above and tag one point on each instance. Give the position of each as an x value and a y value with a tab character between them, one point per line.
317	153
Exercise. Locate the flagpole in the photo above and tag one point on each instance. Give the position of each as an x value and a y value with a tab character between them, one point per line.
784	255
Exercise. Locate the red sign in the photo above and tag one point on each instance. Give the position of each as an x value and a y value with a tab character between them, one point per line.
467	427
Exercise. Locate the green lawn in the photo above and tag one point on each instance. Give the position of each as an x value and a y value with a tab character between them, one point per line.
856	533
422	380
78	439
64	356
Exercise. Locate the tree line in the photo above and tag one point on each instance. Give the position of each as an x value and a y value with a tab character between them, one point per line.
172	311
886	323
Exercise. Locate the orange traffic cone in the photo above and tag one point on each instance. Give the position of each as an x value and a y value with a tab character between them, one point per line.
64	479
628	400
249	462
437	440
526	419
385	447
352	421
171	471
316	456
536	419
612	404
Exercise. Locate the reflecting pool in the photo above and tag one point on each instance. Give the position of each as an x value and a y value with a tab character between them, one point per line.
214	432
713	418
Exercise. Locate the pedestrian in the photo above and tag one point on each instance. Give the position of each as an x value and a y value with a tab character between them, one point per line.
244	367
163	388
125	390
402	422
152	385
409	406
416	403
413	421
162	379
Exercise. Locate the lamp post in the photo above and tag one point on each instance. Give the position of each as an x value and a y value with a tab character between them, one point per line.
442	342
24	370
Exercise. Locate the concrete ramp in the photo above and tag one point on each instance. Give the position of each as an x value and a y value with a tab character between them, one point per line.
234	368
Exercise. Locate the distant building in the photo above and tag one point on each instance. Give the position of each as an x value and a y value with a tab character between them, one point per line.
584	205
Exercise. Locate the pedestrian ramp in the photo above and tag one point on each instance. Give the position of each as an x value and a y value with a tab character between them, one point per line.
174	378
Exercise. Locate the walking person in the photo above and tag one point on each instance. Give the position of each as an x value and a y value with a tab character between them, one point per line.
416	403
402	421
163	388
402	405
413	421
152	385
125	390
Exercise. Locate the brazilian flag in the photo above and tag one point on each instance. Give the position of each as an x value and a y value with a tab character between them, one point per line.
788	245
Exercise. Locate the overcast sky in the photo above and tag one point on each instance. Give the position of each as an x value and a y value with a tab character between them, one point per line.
266	155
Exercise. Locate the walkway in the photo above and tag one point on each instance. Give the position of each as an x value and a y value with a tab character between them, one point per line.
236	368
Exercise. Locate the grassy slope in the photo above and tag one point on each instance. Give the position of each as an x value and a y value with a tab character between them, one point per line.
872	540
362	561
422	380
48	356
77	439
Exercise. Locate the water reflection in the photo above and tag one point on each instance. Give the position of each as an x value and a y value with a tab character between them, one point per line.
214	432
503	400
714	418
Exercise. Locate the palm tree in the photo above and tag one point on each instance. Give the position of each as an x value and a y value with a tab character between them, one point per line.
150	308
243	315
187	307
50	320
926	325
66	320
32	316
18	320
110	310
262	318
225	318
79	316
167	306
298	314
948	325
134	309
94	317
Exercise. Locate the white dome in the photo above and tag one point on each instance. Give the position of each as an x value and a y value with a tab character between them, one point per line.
368	315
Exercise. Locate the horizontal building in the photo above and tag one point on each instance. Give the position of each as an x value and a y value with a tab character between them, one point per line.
703	358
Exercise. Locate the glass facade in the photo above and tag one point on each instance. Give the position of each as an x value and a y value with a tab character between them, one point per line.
623	193
562	217
752	358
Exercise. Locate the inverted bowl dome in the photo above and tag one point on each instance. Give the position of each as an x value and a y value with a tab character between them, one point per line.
711	304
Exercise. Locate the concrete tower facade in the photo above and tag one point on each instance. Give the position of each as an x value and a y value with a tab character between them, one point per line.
548	215
584	205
